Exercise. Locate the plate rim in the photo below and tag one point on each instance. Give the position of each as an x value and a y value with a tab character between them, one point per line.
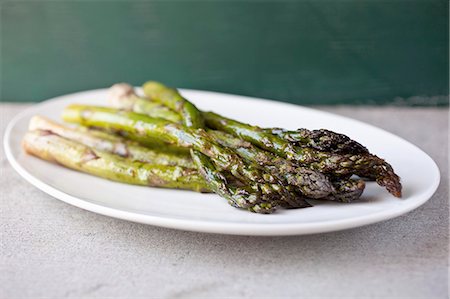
219	227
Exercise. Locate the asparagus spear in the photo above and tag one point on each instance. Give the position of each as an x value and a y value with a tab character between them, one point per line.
366	165
322	140
122	95
51	147
169	97
110	143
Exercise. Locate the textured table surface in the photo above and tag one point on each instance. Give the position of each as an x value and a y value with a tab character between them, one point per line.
53	250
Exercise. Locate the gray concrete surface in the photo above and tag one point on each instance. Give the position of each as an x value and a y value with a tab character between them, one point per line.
50	249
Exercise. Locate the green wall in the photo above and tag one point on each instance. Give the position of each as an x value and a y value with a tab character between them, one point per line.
305	52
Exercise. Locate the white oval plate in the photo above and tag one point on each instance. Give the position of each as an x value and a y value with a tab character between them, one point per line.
208	212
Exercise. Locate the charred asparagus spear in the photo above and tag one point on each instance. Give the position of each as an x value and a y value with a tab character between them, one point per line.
110	143
365	165
322	140
51	147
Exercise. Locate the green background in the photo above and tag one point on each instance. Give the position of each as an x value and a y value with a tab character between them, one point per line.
304	52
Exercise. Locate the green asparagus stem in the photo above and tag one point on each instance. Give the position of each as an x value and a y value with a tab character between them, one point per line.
51	147
110	143
365	165
122	96
173	100
253	134
152	144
